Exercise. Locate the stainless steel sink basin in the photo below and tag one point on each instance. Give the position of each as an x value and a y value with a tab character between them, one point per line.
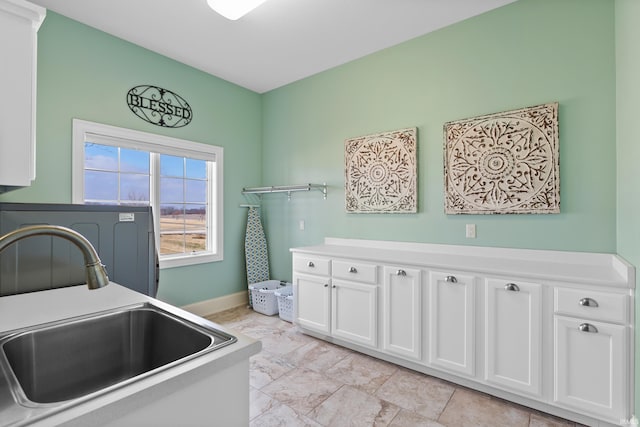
79	357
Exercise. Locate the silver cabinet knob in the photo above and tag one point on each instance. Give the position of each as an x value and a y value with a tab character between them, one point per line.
353	270
451	279
401	273
511	287
326	285
587	327
310	264
588	302
334	286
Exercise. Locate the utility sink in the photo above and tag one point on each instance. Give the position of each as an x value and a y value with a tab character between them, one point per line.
76	358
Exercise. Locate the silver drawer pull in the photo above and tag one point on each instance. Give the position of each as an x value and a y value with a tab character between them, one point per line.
511	287
451	279
586	327
352	270
311	264
588	302
401	273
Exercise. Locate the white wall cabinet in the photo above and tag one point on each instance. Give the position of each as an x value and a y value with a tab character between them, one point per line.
513	341
402	311
19	24
547	329
452	322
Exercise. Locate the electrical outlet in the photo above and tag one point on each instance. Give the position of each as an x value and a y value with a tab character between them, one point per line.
301	224
471	231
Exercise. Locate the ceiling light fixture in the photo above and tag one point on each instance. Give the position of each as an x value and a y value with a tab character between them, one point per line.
234	9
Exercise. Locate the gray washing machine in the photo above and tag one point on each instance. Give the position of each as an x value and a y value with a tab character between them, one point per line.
123	237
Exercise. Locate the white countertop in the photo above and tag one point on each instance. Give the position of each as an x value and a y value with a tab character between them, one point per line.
25	310
575	267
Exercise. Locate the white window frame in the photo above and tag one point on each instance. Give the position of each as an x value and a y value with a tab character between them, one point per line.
121	137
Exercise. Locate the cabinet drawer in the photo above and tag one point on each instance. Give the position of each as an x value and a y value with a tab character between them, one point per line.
312	265
591	305
350	270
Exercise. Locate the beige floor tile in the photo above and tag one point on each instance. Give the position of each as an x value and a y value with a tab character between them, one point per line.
301	381
362	371
265	368
545	420
406	418
256	327
351	407
470	409
282	416
260	403
284	340
232	315
317	356
425	395
301	389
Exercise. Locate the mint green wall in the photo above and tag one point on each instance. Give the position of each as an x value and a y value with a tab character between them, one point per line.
84	73
526	53
628	142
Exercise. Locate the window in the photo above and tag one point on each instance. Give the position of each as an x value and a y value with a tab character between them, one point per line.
181	180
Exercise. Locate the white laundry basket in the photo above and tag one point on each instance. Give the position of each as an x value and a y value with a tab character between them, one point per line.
262	296
285	302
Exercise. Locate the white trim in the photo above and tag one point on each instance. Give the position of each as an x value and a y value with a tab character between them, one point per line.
111	135
26	10
188	259
216	305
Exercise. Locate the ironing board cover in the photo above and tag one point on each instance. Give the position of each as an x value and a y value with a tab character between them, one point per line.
255	248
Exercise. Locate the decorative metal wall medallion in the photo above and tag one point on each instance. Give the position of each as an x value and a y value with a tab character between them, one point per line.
381	173
159	106
503	163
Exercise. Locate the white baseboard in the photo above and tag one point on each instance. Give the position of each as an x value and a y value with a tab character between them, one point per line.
215	305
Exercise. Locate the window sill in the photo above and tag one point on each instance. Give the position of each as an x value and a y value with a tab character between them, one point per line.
184	260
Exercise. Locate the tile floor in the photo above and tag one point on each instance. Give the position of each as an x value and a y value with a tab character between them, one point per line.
298	380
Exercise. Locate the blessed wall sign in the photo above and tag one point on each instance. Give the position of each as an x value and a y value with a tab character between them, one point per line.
159	106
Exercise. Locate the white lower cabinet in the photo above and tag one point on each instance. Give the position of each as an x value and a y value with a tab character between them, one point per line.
452	322
327	304
591	355
513	340
554	344
354	312
313	302
401	311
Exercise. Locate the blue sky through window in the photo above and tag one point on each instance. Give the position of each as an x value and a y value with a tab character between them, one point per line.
183	181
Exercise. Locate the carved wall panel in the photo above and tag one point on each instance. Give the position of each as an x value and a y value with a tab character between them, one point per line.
503	163
381	173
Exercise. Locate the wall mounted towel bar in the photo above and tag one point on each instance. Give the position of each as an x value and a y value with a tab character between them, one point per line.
286	189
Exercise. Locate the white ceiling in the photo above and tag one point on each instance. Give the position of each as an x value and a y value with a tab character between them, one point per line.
279	42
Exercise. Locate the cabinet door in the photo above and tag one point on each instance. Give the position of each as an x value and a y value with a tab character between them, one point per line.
512	335
589	363
312	293
354	312
19	22
401	311
451	322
